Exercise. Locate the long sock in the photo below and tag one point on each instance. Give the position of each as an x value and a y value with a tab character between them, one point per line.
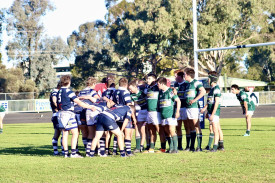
199	140
115	146
84	140
211	137
175	142
62	148
138	143
193	139
73	151
92	153
221	144
152	145
88	147
122	153
76	148
102	146
66	153
141	147
215	146
148	144
179	142
55	146
163	145
171	144
248	132
128	146
188	139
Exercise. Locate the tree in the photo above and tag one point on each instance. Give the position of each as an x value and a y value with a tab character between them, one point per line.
35	52
92	49
1	25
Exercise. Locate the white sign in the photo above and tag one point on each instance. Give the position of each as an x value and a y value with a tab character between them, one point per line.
230	99
42	105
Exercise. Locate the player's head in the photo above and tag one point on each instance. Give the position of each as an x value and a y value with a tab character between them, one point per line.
189	74
110	80
179	76
133	87
213	77
235	89
65	81
123	82
162	83
91	82
151	78
58	86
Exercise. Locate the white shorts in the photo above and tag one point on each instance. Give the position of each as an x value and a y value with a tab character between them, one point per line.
192	113
142	116
91	117
66	120
169	121
2	114
250	113
216	119
183	114
154	118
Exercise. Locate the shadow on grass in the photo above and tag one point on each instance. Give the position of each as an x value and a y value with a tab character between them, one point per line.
31	150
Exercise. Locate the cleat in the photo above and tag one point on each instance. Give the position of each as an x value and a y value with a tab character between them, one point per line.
187	149
130	155
207	148
76	156
213	150
174	152
192	150
160	151
66	156
198	149
221	148
180	149
137	151
149	151
246	135
58	154
104	155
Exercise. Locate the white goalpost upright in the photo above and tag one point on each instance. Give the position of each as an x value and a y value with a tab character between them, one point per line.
195	39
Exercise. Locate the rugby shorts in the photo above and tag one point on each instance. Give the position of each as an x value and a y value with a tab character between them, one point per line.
192	113
105	123
169	121
154	118
66	120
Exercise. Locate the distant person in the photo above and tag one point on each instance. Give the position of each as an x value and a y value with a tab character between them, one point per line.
2	115
252	95
247	106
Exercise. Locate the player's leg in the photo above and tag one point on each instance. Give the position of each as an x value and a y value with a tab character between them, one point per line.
211	137
65	135
120	141
91	135
248	124
179	133
95	141
128	138
220	146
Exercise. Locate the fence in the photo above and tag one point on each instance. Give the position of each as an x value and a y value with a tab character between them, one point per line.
31	104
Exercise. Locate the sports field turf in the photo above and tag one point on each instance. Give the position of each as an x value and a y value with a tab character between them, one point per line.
25	156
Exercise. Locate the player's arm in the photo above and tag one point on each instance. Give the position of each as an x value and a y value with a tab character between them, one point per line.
177	100
202	92
204	108
245	107
216	105
92	99
54	99
82	104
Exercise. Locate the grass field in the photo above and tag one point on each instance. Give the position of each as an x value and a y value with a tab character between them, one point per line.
26	151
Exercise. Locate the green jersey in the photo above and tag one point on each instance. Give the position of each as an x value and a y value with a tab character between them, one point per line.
181	87
166	103
243	97
191	92
214	92
140	100
152	98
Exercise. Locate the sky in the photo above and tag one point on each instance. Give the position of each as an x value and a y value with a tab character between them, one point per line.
66	18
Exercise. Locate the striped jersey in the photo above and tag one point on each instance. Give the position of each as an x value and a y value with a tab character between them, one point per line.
109	93
191	92
122	96
88	92
140	100
166	103
65	97
242	97
181	88
214	92
152	97
119	113
53	94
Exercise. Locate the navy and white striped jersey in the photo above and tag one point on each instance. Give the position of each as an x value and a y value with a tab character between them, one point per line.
109	93
53	94
100	107
65	98
119	113
88	92
122	96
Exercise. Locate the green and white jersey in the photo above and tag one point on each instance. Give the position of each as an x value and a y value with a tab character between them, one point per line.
214	92
166	103
242	96
140	100
152	98
191	92
181	88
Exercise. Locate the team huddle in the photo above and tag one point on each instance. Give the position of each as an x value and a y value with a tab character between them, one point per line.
146	109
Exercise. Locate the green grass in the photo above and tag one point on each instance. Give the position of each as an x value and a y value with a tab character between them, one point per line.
26	151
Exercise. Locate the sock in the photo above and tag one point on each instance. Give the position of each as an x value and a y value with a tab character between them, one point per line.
122	153
188	138
163	145
141	147
138	143
211	137
102	146
175	142
179	142
128	146
88	147
248	132
92	153
55	146
148	144
76	148
66	152
84	140
115	146
199	139
171	144
193	139
73	152
106	150
221	144
215	146
62	148
152	145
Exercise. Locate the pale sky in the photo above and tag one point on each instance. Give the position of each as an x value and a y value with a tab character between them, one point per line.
66	18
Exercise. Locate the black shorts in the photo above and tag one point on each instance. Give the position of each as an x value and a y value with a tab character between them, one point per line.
105	123
55	122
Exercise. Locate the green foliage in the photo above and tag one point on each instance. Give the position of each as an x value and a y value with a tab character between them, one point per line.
93	51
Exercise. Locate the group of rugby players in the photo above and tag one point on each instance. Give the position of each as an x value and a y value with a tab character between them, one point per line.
147	108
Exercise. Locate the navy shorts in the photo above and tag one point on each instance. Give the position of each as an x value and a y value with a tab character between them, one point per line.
105	123
55	122
129	125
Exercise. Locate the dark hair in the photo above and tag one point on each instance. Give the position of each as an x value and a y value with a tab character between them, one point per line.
65	80
123	82
162	80
180	74
133	83
152	75
58	86
190	72
213	73
90	81
235	86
